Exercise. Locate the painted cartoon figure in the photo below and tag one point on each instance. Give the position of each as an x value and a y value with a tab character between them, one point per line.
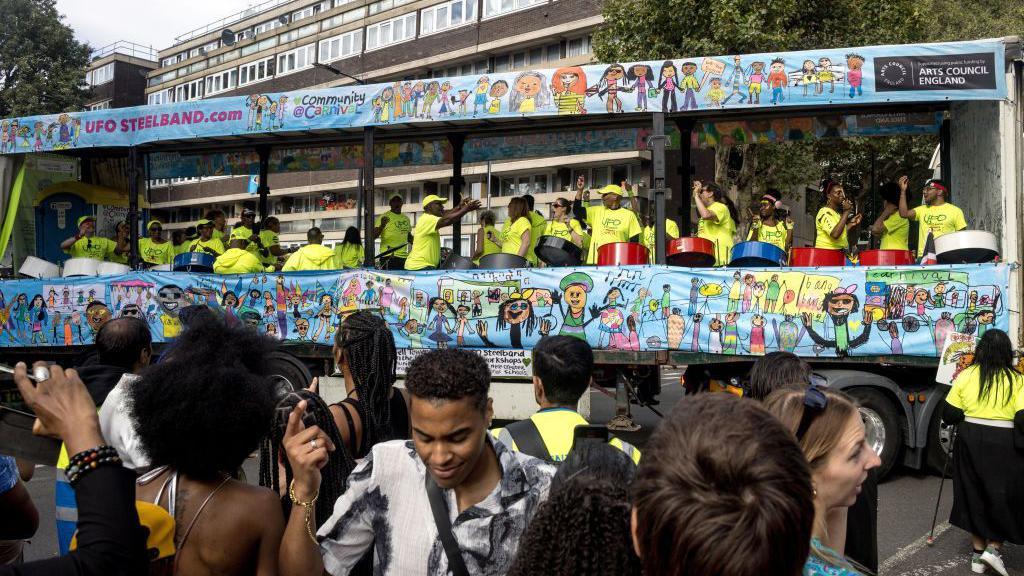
609	86
445	109
529	92
642	78
412	330
735	293
772	294
38	133
433	87
37	318
838	305
322	320
610	324
808	76
715	94
676	326
855	73
4	136
689	85
282	110
715	341
777	80
694	296
944	326
385	105
171	299
736	81
442	328
480	94
826	74
757	334
787	334
462	99
250	106
731	335
498	91
302	329
418	92
569	90
462	325
748	291
96	315
939	295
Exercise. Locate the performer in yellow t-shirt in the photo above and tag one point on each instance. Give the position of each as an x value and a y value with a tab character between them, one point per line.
426	241
393	229
835	218
937	217
488	239
516	232
206	242
85	243
766	224
154	250
717	218
610	222
563	225
892	229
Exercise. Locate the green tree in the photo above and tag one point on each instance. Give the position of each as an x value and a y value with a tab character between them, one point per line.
42	66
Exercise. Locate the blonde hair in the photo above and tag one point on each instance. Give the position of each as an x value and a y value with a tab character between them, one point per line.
824	432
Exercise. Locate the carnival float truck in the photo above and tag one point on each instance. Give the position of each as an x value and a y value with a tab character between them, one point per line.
880	330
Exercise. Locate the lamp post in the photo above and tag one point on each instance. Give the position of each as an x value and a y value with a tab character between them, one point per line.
334	70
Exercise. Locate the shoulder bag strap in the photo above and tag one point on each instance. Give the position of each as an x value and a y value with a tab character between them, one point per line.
444	527
528	439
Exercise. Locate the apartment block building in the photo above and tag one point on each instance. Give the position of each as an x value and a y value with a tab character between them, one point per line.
117	75
277	46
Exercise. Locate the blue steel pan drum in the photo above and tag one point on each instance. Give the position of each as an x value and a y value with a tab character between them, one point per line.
755	254
193	262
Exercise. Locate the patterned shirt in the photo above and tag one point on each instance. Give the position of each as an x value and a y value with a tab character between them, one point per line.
386	506
8	474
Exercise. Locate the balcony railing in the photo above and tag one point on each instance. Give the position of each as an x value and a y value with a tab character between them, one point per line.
128	49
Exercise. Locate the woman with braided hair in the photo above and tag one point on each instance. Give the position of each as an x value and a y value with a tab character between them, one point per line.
373	412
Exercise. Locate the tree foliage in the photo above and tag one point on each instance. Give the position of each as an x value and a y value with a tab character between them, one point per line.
42	66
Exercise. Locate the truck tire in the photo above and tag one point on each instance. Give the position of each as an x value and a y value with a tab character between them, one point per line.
882	426
940	441
288	373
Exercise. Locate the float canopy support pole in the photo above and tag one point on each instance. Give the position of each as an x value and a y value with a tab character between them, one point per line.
133	207
263	187
658	166
366	193
685	127
457	182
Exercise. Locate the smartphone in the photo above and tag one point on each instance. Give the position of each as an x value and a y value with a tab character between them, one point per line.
590	433
17	439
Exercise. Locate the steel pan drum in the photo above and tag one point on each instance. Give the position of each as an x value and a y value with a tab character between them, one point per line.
886	258
622	254
81	267
967	247
161	268
500	260
112	268
455	261
38	268
693	252
756	254
555	251
193	262
810	257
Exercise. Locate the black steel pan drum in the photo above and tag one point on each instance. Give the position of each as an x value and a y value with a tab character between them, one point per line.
555	251
193	262
500	260
455	261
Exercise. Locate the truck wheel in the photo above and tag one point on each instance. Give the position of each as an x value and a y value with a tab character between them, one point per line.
940	441
882	426
288	373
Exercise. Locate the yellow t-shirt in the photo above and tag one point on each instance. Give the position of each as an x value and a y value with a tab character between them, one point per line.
824	222
218	235
154	253
610	226
537	225
490	246
775	235
237	261
561	230
896	233
348	255
395	233
940	220
964	395
181	248
671	231
719	233
512	235
268	238
244	232
213	244
97	247
426	244
556	426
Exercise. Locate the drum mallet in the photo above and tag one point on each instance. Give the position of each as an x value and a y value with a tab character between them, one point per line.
945	470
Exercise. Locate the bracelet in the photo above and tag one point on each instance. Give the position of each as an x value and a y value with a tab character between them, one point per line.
88	460
306	506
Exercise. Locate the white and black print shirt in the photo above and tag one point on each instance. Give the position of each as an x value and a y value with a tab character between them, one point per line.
386	506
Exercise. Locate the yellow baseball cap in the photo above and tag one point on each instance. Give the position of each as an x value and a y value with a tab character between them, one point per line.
204	222
237	234
152	223
611	189
85	219
433	198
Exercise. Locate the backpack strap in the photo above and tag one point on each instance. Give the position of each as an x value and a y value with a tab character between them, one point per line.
439	508
529	440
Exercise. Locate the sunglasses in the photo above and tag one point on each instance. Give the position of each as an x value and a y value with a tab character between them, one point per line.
815	403
766	203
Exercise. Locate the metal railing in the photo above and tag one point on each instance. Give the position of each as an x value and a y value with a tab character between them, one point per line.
223	22
128	49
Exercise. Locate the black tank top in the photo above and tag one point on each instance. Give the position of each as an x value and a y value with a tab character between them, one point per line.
399	421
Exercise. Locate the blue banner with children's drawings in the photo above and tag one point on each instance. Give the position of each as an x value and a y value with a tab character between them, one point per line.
916	73
857	311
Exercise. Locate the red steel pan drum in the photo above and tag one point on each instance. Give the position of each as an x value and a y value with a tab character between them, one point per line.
812	257
886	258
692	252
555	251
756	254
621	254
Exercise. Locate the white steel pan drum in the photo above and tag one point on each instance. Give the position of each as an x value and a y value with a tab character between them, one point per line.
161	268
81	267
967	247
38	268
112	268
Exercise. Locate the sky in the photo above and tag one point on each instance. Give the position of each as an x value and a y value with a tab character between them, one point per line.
154	23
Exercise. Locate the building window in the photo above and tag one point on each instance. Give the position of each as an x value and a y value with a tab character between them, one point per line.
101	75
308	11
447	15
498	7
382	5
189	91
255	71
221	82
161	97
201	65
577	46
105	105
342	46
391	31
297	59
243	35
267	26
